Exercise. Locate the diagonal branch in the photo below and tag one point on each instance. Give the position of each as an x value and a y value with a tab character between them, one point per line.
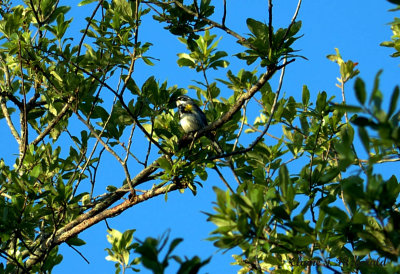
115	211
10	124
248	95
240	101
4	109
96	214
53	123
106	146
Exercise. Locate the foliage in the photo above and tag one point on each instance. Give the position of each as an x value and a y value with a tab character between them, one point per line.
121	246
68	103
149	251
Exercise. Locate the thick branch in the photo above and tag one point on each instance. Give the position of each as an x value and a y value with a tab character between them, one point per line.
9	122
97	214
112	212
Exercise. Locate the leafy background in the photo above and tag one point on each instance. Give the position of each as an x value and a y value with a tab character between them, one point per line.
356	29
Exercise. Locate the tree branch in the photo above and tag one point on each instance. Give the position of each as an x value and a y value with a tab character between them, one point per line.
10	124
53	123
90	218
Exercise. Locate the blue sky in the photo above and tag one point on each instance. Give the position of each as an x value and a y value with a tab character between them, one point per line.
355	28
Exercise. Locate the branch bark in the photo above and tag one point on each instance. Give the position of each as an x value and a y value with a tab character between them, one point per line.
96	214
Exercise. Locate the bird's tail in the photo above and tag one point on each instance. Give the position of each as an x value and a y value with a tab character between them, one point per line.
215	144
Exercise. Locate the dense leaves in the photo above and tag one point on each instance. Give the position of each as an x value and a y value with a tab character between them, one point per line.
299	195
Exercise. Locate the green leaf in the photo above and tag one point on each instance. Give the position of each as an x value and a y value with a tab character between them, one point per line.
259	29
165	164
305	95
126	9
393	101
321	102
147	61
397	2
376	95
363	121
186	61
359	87
86	2
76	241
36	171
281	213
362	132
348	108
336	213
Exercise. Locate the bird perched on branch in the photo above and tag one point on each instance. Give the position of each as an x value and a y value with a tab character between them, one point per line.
192	118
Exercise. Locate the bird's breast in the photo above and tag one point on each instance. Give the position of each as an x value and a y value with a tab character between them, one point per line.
190	123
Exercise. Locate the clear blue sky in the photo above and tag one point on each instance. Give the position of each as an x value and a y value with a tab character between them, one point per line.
355	27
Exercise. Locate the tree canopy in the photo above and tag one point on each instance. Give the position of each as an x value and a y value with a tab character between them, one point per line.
297	192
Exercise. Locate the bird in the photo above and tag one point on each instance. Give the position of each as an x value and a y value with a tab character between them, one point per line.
192	118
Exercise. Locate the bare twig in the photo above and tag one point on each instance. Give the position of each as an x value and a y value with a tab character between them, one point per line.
241	126
221	176
270	31
23	114
87	27
107	147
80	253
224	14
94	148
149	146
129	144
291	23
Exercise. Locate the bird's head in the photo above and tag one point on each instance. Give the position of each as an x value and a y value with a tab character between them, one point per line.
185	103
184	100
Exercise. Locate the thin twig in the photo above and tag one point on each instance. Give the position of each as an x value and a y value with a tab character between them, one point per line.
241	126
10	124
224	14
221	176
129	144
149	146
270	31
107	147
87	27
77	251
291	23
94	148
